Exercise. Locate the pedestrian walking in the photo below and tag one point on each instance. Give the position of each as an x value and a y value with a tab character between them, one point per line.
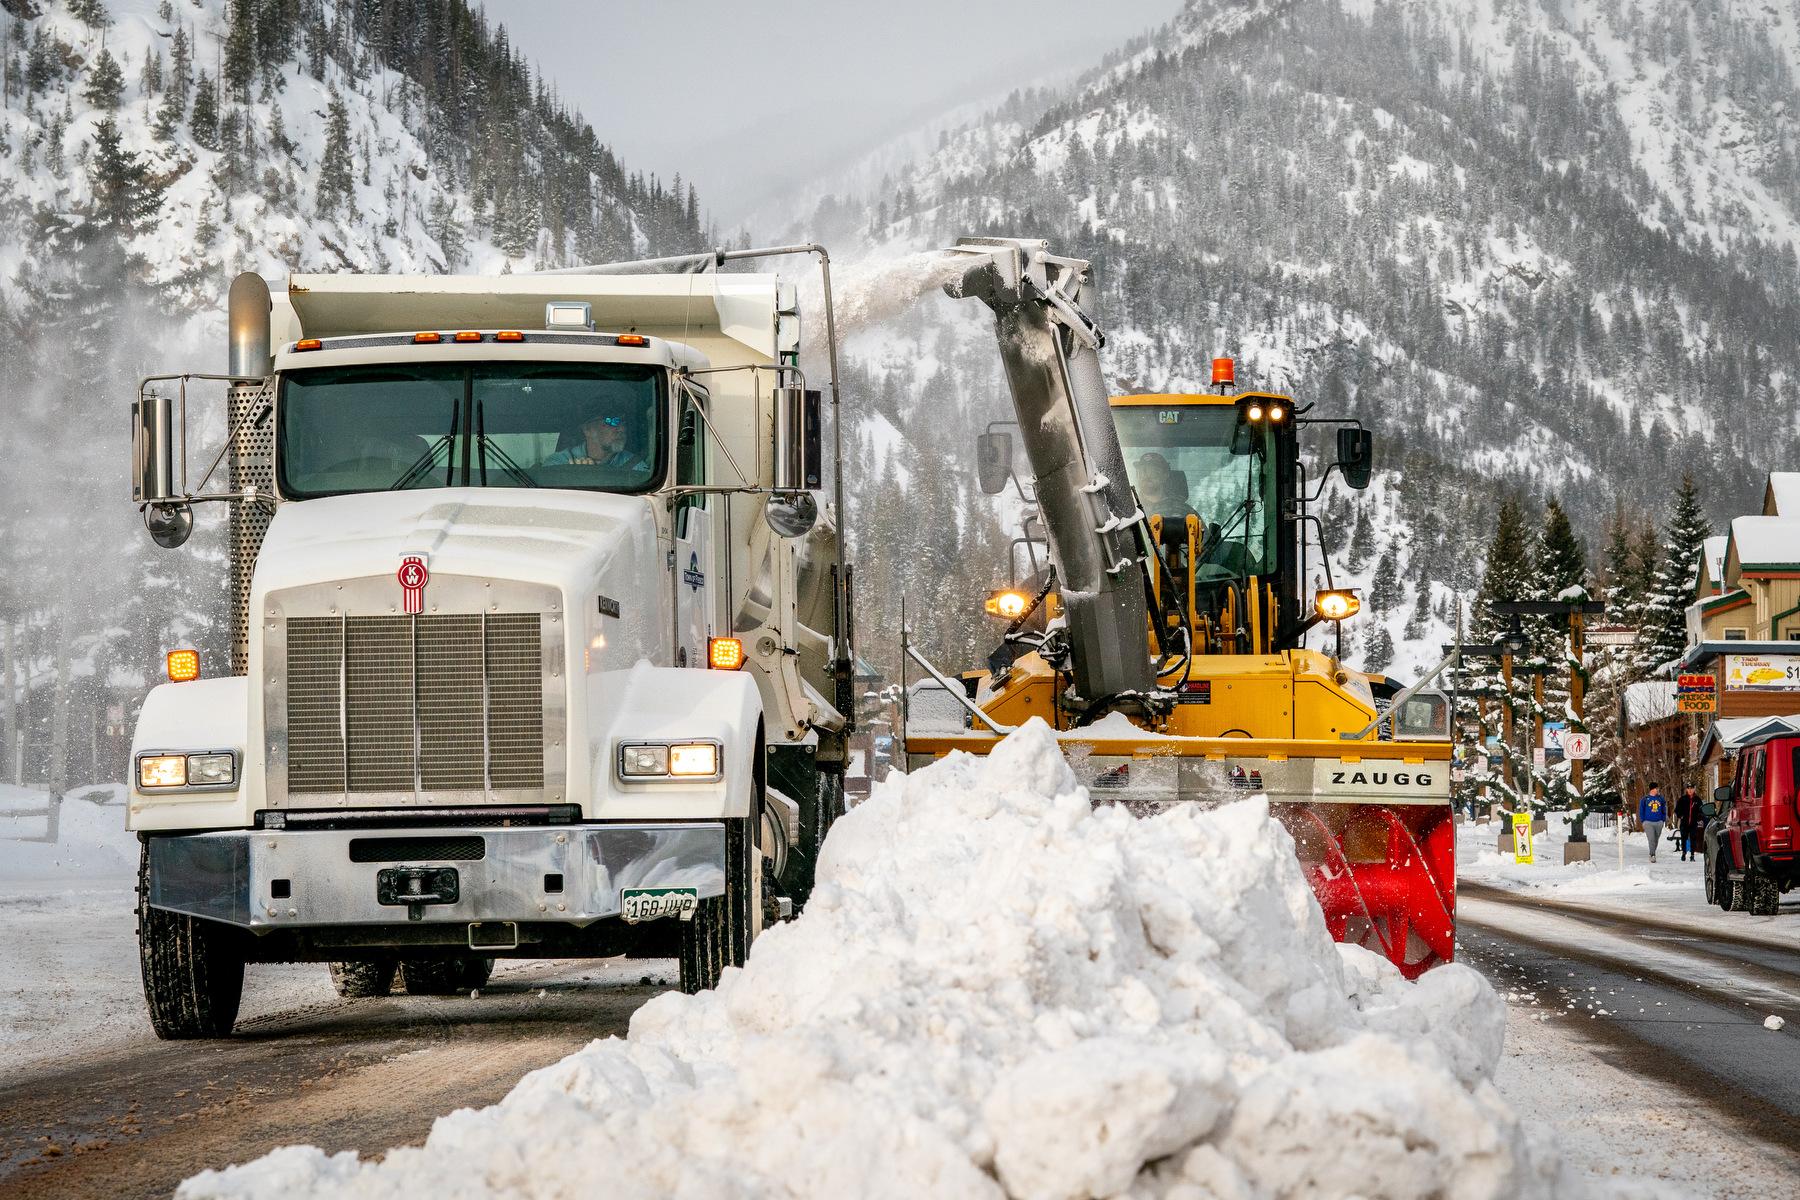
1653	814
1690	822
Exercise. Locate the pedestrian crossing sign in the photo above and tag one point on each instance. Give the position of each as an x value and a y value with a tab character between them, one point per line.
1521	823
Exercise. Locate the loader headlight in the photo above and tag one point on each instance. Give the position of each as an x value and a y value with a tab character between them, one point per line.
207	770
1008	604
1337	605
689	761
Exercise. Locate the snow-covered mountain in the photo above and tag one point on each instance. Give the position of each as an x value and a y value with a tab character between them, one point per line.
1545	245
150	150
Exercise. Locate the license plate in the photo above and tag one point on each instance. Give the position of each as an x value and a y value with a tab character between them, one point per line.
649	904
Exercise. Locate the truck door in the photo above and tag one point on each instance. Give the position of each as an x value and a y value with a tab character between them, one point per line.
696	569
1746	802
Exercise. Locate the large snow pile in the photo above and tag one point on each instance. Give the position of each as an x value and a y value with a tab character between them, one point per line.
1001	991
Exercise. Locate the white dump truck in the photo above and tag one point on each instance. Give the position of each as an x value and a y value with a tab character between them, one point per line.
542	640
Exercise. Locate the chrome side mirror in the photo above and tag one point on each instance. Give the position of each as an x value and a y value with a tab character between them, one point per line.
791	516
799	441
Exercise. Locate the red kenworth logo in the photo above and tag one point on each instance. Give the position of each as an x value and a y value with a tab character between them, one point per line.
412	583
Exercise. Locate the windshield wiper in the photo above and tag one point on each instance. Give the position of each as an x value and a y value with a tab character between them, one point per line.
415	472
506	462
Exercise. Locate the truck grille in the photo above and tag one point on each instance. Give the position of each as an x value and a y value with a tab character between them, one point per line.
427	703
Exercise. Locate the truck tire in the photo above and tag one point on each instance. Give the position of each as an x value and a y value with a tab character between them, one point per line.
719	936
1763	894
444	976
364	979
193	969
1732	893
1709	874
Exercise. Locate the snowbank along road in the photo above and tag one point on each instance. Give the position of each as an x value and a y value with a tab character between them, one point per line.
999	990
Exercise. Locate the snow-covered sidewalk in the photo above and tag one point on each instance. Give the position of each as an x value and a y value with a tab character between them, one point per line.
999	990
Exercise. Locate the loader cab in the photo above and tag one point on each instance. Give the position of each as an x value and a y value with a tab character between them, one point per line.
1211	472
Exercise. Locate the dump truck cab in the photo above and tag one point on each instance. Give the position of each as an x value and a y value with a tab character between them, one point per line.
536	635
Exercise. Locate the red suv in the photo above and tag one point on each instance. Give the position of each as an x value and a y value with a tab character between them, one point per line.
1753	831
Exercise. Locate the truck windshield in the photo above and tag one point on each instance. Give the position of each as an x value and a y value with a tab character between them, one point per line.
1196	458
389	426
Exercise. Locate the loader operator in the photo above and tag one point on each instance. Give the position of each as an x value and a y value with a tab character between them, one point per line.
1161	490
605	441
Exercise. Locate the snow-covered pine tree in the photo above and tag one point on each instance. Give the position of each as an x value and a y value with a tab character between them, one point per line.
1662	636
105	83
203	121
1508	577
335	168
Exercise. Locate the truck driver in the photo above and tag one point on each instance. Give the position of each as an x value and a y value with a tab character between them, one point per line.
606	441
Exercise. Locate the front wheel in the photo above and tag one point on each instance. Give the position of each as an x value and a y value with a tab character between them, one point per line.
720	933
193	969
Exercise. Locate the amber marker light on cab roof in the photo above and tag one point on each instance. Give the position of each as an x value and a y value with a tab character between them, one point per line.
724	653
1224	371
427	339
184	666
509	335
468	335
308	344
633	339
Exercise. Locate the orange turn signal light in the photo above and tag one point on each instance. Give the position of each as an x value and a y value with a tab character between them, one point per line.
184	666
308	344
468	335
427	339
633	339
509	335
724	653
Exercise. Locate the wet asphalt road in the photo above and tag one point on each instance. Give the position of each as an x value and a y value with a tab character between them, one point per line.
134	1121
1656	1000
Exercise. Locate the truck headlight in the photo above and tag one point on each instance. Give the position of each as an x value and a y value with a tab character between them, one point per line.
641	762
162	771
205	769
210	770
694	759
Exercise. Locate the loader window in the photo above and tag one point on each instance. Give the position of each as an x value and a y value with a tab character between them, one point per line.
395	426
1182	460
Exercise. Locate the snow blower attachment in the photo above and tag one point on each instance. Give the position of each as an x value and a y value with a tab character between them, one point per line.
1163	637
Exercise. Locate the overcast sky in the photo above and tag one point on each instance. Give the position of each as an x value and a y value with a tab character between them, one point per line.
730	92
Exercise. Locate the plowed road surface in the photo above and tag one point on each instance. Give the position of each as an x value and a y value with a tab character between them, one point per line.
135	1120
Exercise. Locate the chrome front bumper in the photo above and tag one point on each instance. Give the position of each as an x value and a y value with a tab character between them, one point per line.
276	879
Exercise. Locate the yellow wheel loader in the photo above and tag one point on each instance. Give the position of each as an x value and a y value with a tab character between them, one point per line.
1163	633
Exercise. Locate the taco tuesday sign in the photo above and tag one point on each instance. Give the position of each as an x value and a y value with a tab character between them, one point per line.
1762	672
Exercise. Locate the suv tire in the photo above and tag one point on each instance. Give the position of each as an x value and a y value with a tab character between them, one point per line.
193	969
1764	894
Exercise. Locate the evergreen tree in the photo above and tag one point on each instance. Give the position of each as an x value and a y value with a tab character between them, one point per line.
91	13
125	197
1384	585
1561	560
106	82
1377	647
1617	567
170	111
335	168
240	49
1662	636
447	231
203	121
